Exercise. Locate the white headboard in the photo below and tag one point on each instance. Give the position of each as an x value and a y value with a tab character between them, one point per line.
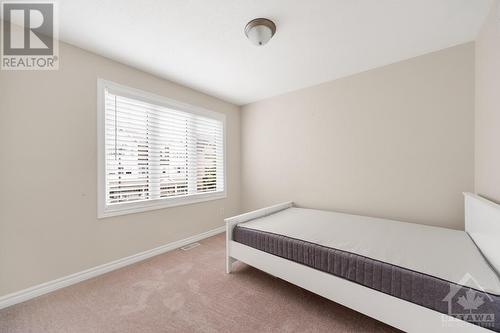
482	223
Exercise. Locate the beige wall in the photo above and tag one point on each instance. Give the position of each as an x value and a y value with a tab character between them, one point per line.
393	142
48	225
487	171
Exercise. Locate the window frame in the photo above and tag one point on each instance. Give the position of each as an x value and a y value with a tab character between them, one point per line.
105	210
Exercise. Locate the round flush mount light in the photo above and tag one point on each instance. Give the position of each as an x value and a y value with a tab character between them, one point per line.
260	30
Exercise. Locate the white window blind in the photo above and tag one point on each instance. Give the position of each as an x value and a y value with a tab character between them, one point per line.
158	154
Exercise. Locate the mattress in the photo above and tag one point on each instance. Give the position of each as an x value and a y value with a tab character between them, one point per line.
440	269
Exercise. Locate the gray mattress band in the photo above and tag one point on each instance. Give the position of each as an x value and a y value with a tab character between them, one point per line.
415	287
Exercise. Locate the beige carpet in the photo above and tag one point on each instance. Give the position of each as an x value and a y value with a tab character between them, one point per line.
184	292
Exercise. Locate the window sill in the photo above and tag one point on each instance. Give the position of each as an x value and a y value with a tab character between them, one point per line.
131	208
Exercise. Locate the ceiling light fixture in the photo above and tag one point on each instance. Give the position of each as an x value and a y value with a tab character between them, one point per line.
260	30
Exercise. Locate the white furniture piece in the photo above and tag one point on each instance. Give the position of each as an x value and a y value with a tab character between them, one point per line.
482	224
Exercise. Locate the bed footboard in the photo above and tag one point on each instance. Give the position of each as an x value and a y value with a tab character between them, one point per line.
233	221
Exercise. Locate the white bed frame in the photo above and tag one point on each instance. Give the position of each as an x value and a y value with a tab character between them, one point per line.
482	219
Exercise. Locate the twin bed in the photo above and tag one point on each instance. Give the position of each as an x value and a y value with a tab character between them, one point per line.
413	277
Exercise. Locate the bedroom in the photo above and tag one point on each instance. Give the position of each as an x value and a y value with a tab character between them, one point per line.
139	139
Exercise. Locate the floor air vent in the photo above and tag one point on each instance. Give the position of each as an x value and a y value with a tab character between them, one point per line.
190	246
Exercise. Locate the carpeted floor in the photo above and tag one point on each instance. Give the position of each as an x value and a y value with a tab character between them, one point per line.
184	292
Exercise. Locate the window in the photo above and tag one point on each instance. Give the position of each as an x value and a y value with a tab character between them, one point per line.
155	152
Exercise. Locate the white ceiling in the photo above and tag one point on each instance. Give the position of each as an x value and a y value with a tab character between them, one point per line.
201	43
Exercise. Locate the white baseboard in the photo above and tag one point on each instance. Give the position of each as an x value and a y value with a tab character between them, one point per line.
47	287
